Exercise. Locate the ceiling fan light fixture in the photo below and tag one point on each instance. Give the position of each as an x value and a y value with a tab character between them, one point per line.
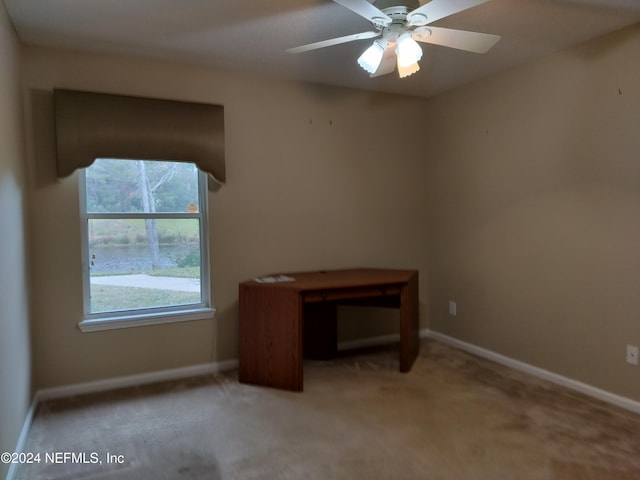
409	52
372	56
405	71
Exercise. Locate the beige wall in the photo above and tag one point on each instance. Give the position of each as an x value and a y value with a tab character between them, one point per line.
534	212
15	353
317	178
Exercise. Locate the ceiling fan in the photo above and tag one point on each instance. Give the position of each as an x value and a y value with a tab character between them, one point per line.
398	24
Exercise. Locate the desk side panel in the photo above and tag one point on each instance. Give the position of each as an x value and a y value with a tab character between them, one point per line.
409	323
270	322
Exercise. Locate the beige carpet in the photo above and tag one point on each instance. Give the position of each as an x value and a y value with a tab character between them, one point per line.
453	417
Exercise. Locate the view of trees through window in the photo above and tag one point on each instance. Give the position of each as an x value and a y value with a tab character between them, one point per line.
144	232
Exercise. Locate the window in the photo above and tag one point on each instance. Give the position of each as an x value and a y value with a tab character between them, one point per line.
144	243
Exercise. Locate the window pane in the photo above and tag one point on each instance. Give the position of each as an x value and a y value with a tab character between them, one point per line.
138	186
131	267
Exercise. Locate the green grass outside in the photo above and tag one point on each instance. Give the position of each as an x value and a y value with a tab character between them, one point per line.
107	298
131	231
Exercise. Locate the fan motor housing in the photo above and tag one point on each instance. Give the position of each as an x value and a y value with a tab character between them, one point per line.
398	15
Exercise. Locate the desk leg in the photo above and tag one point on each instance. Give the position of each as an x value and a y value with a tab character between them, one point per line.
409	324
270	323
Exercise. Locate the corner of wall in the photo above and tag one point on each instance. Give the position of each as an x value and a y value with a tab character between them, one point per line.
15	347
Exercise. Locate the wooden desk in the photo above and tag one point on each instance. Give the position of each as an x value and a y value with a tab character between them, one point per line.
281	321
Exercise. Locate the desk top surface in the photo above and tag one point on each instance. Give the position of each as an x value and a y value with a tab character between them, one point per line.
322	279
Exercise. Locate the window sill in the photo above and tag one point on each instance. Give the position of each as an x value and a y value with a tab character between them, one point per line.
129	321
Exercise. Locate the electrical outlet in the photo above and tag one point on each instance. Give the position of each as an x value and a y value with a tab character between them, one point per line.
453	308
632	354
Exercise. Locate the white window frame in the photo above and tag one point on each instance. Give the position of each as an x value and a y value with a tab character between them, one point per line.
92	322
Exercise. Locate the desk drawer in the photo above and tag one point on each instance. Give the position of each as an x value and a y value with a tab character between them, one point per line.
337	294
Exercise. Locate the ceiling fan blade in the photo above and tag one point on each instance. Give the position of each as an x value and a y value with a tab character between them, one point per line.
388	63
333	41
460	39
366	10
437	9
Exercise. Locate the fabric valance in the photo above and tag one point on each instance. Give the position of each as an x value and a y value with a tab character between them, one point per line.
97	125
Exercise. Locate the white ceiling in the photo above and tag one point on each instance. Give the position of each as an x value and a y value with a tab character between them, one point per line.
251	35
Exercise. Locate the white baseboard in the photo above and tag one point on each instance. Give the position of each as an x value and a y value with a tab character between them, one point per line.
184	372
591	391
22	439
133	380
